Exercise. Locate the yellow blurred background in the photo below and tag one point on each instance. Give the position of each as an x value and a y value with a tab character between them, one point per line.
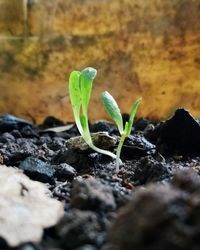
148	48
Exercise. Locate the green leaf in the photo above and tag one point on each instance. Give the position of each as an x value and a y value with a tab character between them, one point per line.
86	79
132	115
89	72
113	110
74	90
75	97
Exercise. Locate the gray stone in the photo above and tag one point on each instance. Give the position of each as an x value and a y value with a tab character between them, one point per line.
37	169
100	139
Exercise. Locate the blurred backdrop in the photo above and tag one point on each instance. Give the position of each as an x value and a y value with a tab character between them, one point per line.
148	48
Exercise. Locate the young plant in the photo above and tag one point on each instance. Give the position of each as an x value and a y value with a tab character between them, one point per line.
80	87
114	112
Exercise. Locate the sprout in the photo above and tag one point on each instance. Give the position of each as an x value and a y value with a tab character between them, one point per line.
114	112
80	87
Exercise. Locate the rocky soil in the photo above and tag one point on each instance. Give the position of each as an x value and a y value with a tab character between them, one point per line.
152	203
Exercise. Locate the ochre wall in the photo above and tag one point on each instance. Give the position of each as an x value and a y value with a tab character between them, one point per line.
140	48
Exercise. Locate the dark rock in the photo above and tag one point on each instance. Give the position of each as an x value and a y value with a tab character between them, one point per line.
7	137
9	122
179	135
91	194
37	169
29	132
141	124
16	134
150	170
51	122
9	150
27	146
137	146
44	153
15	151
70	157
44	139
82	162
56	143
78	228
64	172
161	217
100	126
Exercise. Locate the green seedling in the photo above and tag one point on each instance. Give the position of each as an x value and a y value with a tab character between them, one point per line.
115	113
80	87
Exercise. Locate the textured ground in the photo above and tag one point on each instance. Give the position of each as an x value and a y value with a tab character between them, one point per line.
157	187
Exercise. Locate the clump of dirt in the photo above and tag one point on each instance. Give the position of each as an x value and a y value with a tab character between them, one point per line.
161	216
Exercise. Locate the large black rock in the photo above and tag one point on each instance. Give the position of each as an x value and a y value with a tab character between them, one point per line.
179	135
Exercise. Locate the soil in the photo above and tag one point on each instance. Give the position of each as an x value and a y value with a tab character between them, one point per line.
152	203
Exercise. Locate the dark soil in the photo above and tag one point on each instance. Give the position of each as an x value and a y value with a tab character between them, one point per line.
152	203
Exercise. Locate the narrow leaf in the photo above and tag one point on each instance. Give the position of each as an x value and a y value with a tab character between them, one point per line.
75	97
113	110
86	79
74	90
132	115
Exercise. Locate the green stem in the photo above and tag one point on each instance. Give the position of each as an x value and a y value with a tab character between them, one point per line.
102	151
77	120
78	125
88	140
119	148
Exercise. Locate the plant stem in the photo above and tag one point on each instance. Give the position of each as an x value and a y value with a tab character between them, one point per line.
119	148
102	151
87	137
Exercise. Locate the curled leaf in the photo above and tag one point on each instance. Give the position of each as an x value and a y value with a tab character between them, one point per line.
113	110
86	80
89	72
